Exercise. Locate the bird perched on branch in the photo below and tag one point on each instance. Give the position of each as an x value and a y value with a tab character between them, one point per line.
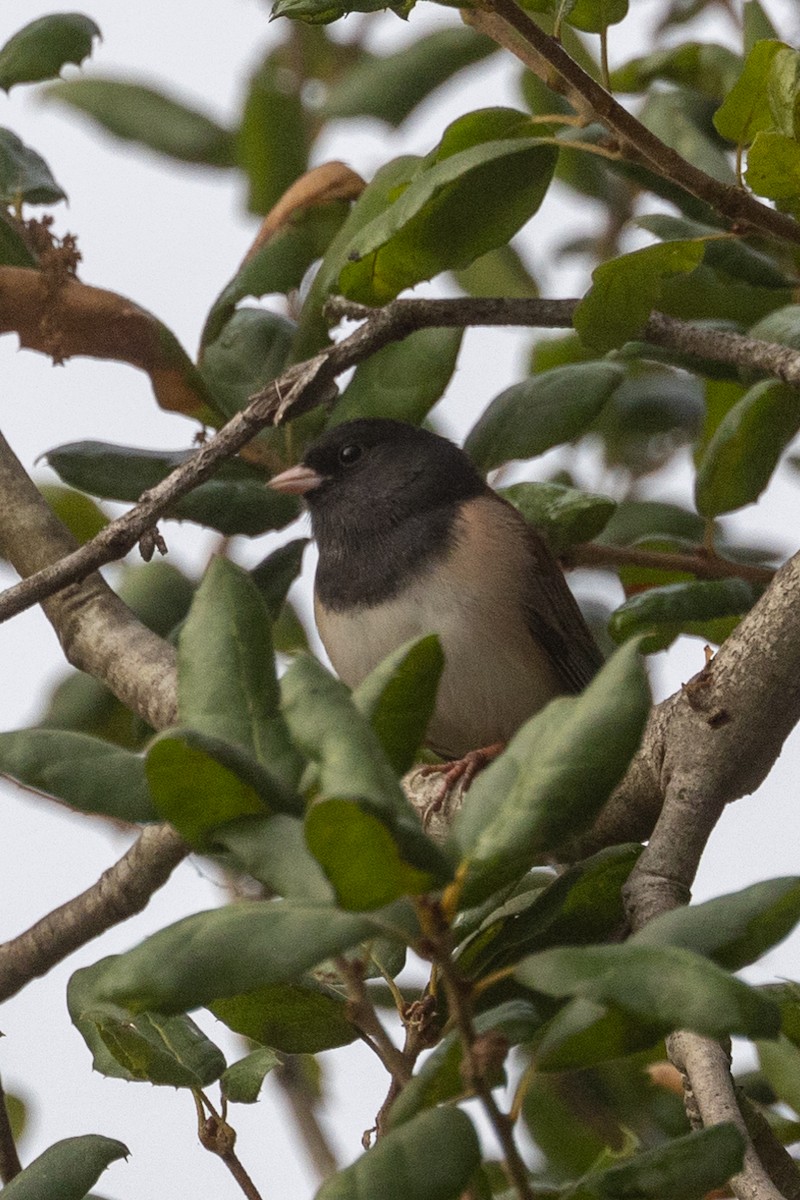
413	541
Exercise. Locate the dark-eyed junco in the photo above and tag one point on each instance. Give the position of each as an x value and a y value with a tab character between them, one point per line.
413	541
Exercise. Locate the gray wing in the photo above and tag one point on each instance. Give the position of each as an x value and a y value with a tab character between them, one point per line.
555	620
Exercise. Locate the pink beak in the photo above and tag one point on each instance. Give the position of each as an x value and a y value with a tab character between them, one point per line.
296	481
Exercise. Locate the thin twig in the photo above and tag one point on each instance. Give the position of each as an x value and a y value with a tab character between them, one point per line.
361	1012
9	1159
699	563
458	992
550	57
304	386
303	1103
218	1137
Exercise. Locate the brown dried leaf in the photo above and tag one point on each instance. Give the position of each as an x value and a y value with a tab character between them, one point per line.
62	317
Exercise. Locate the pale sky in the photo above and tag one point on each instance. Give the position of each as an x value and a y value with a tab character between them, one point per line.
169	236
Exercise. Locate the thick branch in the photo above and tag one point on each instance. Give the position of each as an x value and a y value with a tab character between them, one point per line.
100	635
715	741
711	1100
503	19
309	384
119	893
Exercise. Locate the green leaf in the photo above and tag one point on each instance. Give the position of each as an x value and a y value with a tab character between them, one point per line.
398	698
81	515
680	117
24	175
136	113
251	349
686	1168
773	170
234	501
170	1051
634	520
274	575
554	1109
459	205
225	952
783	91
541	412
582	905
242	1081
157	593
387	183
273	140
625	291
499	272
286	246
712	295
787	996
14	250
441	1076
391	86
295	1018
733	930
707	608
85	773
745	449
321	12
442	1139
403	380
756	25
780	1063
66	1170
594	16
565	515
198	783
556	774
705	66
360	857
227	686
584	1034
39	50
782	325
746	109
723	251
664	987
328	728
273	850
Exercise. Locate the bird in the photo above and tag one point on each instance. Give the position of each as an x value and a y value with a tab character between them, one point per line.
412	541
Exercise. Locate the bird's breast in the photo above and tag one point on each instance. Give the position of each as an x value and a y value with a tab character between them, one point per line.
496	674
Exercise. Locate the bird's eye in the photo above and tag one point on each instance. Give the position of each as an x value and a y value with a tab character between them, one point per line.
350	454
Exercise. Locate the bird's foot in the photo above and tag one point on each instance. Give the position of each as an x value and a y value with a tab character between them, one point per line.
461	771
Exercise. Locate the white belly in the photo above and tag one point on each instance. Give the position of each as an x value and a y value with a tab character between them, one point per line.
495	674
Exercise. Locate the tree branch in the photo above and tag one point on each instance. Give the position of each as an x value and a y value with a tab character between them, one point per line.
309	384
501	20
99	634
698	562
711	743
711	1100
119	893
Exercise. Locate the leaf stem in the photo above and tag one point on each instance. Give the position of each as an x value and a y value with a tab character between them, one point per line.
218	1137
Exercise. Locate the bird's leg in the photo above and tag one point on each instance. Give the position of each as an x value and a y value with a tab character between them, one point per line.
461	770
